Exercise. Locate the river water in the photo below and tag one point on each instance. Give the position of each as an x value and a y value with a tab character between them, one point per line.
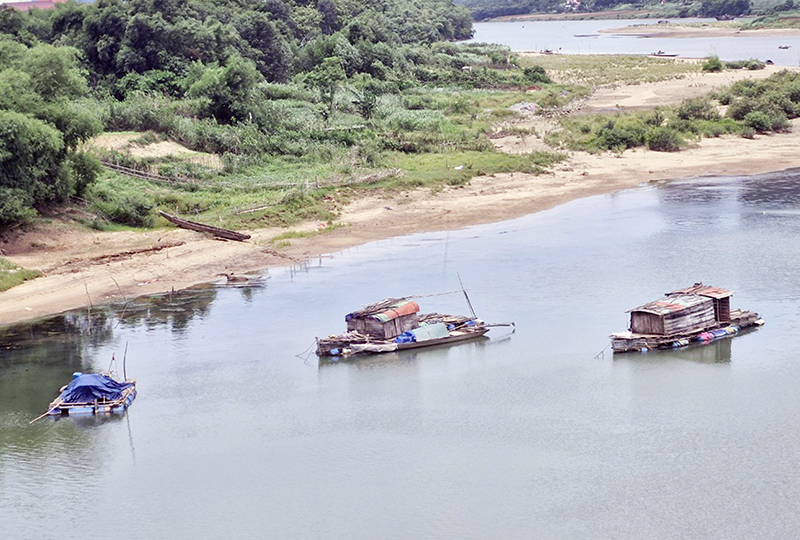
238	432
587	37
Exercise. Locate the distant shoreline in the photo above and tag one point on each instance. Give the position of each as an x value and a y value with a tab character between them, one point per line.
594	16
693	31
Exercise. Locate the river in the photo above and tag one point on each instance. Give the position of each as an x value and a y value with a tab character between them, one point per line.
591	37
239	432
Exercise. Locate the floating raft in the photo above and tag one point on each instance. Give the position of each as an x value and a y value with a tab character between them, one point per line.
699	313
90	394
632	342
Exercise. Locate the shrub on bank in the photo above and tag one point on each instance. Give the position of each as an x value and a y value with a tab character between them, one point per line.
697	109
712	64
663	139
125	206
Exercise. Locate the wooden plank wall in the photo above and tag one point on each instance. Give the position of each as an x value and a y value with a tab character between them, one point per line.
695	317
379	330
647	323
698	316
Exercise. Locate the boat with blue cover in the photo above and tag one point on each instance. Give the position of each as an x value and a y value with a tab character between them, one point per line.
93	393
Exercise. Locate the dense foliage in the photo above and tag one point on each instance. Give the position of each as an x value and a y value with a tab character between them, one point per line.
208	73
489	9
43	120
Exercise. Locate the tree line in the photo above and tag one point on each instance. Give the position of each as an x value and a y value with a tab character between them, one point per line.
489	9
206	70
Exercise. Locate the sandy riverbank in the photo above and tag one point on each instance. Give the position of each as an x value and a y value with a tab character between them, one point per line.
694	31
82	267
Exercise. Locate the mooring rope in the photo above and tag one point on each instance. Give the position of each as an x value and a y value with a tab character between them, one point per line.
306	352
601	354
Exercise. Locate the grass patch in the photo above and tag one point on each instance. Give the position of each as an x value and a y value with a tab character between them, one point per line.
602	70
455	169
282	240
786	19
12	275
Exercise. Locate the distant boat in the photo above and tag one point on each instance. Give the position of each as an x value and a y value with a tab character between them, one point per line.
783	46
394	324
695	314
662	53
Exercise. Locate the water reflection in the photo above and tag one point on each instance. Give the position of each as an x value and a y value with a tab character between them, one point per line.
39	357
716	352
776	191
389	359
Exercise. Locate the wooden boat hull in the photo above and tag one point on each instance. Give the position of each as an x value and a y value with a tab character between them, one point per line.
330	347
454	337
95	408
632	342
201	227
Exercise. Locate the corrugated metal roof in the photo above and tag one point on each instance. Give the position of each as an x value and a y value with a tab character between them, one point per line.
704	290
404	308
671	304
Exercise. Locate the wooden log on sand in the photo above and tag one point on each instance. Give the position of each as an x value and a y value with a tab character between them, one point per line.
216	231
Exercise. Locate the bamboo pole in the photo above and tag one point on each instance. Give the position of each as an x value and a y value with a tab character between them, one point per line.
51	409
467	297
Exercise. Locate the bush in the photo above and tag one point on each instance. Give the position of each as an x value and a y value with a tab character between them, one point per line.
752	64
739	108
15	208
537	74
663	139
697	109
127	207
712	64
621	134
748	133
84	169
758	120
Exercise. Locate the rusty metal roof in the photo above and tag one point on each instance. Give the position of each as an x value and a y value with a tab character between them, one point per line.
704	290
671	304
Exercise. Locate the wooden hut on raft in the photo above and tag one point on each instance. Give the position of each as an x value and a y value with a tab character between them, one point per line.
386	319
699	312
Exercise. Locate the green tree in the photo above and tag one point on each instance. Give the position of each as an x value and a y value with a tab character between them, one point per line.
103	32
31	156
719	8
229	89
54	72
265	46
326	78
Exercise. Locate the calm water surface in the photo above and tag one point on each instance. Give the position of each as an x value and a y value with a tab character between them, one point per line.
586	37
238	433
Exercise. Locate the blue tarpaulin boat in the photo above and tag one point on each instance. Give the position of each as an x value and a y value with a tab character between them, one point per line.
93	393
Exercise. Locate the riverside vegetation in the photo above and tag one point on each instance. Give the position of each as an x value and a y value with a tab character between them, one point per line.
296	100
305	107
749	107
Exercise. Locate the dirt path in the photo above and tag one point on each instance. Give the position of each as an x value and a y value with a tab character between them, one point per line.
82	267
